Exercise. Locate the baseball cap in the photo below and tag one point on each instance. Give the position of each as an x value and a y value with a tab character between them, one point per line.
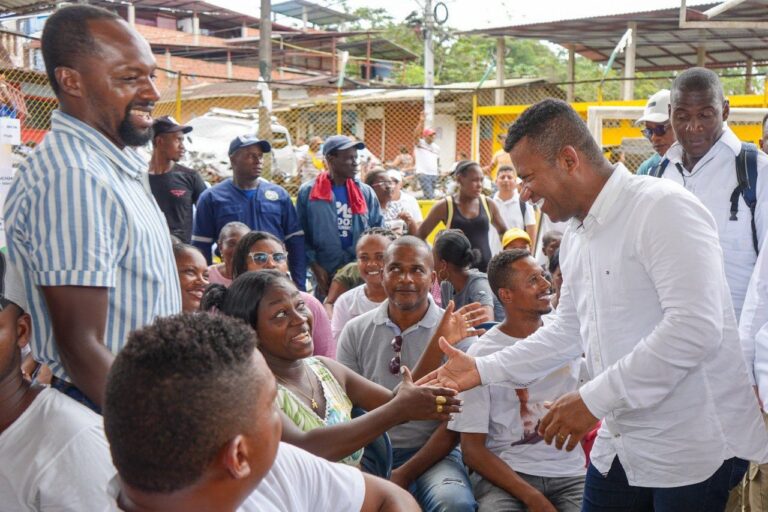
657	108
427	132
514	234
395	175
340	143
168	124
243	141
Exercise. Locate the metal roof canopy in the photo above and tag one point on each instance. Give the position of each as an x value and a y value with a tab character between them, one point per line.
20	7
212	16
311	12
661	44
380	49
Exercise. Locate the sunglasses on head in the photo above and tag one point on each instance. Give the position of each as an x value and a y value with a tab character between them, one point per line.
659	131
262	257
394	363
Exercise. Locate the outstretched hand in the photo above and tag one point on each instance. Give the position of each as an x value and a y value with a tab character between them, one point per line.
457	325
459	372
421	402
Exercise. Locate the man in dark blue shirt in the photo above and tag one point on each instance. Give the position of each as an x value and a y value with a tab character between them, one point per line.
261	205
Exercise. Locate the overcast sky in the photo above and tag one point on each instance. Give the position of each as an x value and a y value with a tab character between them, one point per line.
472	14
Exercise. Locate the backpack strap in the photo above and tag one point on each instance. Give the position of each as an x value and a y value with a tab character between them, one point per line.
746	177
484	203
449	217
657	171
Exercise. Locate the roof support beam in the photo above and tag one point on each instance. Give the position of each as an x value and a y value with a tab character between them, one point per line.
629	63
501	51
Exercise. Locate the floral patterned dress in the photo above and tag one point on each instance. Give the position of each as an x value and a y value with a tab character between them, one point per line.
338	407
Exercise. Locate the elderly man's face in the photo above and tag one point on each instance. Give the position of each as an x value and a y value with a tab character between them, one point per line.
117	84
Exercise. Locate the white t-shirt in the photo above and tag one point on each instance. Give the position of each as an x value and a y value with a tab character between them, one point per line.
298	481
510	212
426	156
55	457
410	205
349	305
496	410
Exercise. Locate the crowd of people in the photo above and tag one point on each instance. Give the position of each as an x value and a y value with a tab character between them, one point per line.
223	348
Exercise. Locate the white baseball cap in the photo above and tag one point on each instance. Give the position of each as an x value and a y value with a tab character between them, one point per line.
657	108
395	175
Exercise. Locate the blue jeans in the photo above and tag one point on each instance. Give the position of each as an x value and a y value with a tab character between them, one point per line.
427	182
613	493
444	487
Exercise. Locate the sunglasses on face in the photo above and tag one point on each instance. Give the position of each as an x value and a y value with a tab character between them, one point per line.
262	257
659	131
394	363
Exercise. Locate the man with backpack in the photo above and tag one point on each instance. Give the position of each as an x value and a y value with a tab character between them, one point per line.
712	163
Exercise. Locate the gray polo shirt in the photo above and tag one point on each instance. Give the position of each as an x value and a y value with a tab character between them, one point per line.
365	347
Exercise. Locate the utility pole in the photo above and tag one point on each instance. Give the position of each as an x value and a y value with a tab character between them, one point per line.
265	70
429	65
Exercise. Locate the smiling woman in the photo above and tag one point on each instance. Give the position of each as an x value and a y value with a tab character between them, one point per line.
193	275
317	394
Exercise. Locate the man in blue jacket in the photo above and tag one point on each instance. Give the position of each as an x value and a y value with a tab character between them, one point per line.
261	205
334	209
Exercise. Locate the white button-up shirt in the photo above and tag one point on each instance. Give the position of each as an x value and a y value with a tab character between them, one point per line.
644	291
713	180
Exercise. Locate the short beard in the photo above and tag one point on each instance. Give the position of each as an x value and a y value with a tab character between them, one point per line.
130	135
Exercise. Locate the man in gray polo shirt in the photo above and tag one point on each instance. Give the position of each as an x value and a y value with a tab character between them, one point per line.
378	343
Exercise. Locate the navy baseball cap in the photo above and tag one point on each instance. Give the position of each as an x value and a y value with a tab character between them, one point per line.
340	142
243	141
168	124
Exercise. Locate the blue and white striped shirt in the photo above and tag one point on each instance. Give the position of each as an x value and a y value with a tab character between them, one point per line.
80	213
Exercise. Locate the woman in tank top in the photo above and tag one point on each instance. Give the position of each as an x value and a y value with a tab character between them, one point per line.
467	210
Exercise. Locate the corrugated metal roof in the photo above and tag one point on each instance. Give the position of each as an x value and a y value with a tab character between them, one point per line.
661	44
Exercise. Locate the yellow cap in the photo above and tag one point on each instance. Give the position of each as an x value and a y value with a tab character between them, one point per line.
514	234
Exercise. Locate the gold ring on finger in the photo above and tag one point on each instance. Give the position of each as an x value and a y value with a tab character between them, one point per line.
439	408
561	437
440	400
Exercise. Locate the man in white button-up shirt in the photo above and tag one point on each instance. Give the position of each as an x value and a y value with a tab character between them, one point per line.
645	299
704	161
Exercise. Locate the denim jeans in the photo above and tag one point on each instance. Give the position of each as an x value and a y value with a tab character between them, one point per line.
427	182
564	493
444	487
613	493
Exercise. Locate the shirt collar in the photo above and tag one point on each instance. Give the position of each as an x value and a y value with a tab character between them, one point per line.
728	139
428	321
601	209
515	197
127	159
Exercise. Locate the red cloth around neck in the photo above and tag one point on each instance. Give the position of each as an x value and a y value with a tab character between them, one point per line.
321	191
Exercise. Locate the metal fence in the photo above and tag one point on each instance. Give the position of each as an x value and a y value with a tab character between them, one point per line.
467	121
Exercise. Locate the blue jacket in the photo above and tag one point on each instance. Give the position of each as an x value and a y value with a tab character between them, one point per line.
319	222
270	210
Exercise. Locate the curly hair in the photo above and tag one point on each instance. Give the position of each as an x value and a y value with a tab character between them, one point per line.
177	392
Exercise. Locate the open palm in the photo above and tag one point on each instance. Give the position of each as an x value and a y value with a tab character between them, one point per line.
459	372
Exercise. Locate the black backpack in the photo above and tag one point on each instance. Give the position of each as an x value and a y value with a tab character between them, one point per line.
746	175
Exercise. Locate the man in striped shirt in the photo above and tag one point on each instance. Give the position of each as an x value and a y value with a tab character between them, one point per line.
83	229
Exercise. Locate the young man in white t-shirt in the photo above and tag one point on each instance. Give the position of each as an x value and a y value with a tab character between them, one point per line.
516	470
426	153
53	452
516	213
191	418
